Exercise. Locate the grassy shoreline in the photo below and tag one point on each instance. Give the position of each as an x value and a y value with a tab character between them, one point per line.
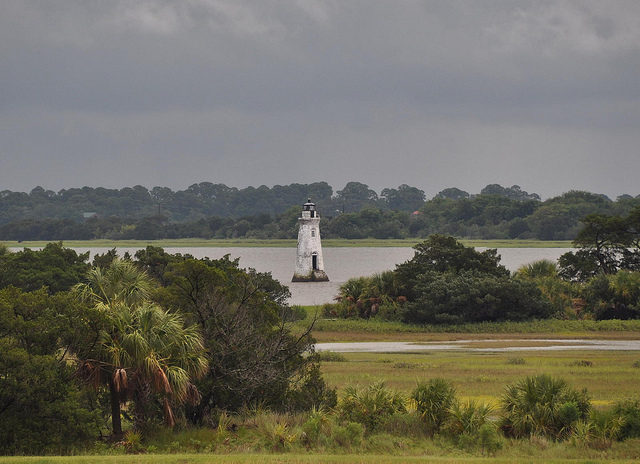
372	330
284	243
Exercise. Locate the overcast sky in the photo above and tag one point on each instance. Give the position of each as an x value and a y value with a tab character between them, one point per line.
434	94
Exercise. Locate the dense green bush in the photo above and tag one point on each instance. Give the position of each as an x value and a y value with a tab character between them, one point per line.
615	296
454	298
629	411
55	267
42	407
542	405
434	400
371	405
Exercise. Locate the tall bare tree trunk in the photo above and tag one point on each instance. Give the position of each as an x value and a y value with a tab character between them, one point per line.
116	421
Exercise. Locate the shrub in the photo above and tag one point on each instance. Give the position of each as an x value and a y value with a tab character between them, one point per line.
276	433
316	427
543	406
433	400
581	363
348	435
488	439
313	392
516	361
371	405
331	356
604	430
466	296
295	313
403	424
467	417
630	413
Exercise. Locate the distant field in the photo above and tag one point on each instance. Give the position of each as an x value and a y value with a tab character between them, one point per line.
192	242
360	330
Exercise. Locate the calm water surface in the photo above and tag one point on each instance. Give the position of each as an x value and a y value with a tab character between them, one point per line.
340	263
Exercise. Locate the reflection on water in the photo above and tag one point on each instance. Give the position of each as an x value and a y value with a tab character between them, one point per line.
340	263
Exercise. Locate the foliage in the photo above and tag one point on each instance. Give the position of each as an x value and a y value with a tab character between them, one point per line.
365	297
454	298
440	254
42	409
434	400
243	316
466	418
54	267
629	411
543	406
143	352
606	245
207	210
559	293
538	270
613	296
371	405
312	392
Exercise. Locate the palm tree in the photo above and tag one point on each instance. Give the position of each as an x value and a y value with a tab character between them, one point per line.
142	349
538	269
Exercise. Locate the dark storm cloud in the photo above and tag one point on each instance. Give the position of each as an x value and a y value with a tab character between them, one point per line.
434	94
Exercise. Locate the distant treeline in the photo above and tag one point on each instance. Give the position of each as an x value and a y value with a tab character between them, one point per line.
208	210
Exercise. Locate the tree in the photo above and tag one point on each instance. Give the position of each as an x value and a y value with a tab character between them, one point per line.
452	193
55	267
253	355
354	196
441	253
514	192
606	244
455	298
404	198
142	349
446	282
42	408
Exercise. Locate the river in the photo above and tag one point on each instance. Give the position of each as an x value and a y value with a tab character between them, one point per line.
341	263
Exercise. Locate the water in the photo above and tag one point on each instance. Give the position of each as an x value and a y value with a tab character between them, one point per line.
468	345
340	263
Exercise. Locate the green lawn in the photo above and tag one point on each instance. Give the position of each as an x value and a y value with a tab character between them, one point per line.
542	456
194	242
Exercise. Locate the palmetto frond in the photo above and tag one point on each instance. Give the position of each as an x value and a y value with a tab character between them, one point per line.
122	282
142	346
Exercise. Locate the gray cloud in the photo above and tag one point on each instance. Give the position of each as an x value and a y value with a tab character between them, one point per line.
434	94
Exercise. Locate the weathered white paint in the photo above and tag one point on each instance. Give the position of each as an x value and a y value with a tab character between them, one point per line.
309	247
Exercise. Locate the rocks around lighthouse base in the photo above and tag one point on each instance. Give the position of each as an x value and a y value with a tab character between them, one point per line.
313	276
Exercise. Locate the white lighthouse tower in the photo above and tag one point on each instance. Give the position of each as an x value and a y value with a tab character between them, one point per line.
309	264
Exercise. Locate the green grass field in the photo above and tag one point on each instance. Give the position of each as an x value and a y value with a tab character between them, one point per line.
541	457
194	242
611	376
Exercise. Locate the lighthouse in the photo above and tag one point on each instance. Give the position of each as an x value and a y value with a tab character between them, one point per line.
309	264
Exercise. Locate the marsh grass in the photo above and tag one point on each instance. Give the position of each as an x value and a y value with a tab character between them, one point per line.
483	376
334	330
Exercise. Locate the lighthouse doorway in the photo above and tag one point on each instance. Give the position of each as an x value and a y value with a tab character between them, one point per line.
314	262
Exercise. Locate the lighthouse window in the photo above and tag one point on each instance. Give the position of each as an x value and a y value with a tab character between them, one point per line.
313	232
